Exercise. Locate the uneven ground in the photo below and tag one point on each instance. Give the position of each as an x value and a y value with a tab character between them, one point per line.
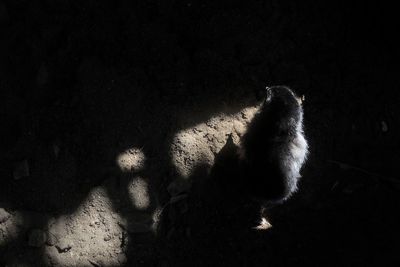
113	114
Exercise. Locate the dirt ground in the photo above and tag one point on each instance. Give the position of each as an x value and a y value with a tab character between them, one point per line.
115	117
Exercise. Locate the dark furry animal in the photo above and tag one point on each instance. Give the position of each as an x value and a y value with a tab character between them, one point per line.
274	149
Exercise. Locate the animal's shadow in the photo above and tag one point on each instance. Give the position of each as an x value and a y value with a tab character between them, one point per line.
216	216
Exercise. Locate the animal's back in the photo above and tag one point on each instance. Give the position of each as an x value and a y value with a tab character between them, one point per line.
274	147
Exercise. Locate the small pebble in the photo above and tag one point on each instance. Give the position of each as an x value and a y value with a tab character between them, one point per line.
122	258
51	239
64	245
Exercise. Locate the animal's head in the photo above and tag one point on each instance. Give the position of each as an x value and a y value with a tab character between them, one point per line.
284	108
281	91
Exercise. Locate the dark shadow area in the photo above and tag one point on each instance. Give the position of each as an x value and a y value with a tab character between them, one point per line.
216	222
81	82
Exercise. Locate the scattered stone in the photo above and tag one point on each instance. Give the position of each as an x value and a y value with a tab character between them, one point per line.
4	215
51	239
21	169
63	246
37	238
92	262
107	238
94	223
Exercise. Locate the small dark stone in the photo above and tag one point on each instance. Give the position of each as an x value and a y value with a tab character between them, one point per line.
51	239
63	245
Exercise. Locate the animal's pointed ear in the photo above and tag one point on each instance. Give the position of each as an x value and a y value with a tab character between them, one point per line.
301	99
268	93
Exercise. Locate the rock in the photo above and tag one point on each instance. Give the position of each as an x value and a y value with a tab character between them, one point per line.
4	215
64	245
21	169
94	263
37	238
51	239
122	258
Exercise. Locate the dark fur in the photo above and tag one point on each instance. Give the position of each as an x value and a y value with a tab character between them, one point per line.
266	146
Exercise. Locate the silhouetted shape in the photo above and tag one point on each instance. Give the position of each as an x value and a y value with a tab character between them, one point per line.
274	148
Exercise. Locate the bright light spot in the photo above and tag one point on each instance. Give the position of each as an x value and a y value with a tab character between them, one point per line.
139	194
91	233
264	225
131	160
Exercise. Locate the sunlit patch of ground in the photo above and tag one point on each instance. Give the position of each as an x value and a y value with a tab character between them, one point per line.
91	235
198	145
139	194
131	160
